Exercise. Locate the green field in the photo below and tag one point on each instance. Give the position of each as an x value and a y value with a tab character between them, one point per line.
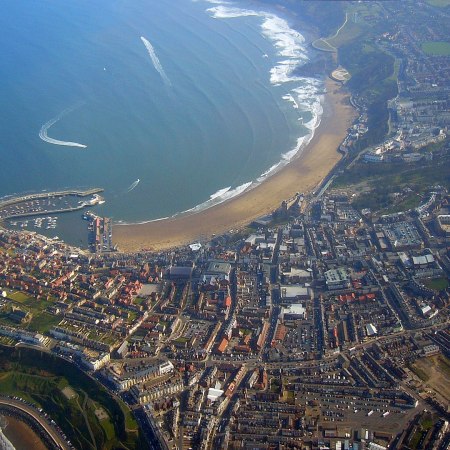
439	3
438	284
41	320
375	183
346	34
436	48
40	379
359	18
322	44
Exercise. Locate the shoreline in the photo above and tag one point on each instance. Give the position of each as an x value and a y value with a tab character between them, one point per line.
21	435
302	174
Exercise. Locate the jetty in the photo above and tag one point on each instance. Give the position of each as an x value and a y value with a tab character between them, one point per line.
48	203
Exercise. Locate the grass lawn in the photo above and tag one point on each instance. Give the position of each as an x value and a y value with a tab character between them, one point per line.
438	284
108	428
322	44
36	381
32	304
410	202
436	48
130	422
358	18
349	32
414	442
43	322
20	297
439	3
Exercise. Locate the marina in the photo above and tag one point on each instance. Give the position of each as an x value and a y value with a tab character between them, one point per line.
47	223
47	203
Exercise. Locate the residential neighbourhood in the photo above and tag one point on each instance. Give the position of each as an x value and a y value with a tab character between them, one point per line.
299	332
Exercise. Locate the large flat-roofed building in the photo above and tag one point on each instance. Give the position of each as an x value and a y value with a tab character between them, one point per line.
178	272
402	235
293	312
423	260
292	293
219	270
296	275
337	278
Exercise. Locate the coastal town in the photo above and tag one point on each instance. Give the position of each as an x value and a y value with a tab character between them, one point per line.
322	325
311	332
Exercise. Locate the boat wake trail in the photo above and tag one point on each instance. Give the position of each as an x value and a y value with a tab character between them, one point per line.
43	131
155	60
133	185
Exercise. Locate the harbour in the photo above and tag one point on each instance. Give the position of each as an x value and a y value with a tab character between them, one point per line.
47	203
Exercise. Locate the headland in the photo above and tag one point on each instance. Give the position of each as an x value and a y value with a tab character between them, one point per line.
303	174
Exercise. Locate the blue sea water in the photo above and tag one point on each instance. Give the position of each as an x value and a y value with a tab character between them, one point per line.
194	99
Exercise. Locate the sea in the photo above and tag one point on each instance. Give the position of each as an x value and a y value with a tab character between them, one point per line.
170	106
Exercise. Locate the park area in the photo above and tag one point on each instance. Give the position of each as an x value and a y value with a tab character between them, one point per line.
436	48
38	318
83	409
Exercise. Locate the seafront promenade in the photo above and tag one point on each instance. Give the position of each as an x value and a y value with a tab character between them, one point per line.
48	203
43	426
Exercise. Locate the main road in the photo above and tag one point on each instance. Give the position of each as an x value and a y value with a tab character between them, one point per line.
44	424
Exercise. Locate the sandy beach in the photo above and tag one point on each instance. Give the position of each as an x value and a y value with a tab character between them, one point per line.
303	174
22	436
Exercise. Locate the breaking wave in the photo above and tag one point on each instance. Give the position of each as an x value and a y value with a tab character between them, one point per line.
219	193
219	197
121	222
306	94
155	60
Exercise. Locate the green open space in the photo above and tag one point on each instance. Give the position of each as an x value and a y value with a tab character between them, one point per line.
20	297
377	182
426	422
438	284
31	303
436	48
359	18
373	79
439	3
322	44
41	321
40	378
347	33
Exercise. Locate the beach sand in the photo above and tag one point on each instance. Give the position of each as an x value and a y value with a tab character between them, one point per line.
302	174
22	436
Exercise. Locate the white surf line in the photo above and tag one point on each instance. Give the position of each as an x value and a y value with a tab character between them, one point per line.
133	185
44	136
155	60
